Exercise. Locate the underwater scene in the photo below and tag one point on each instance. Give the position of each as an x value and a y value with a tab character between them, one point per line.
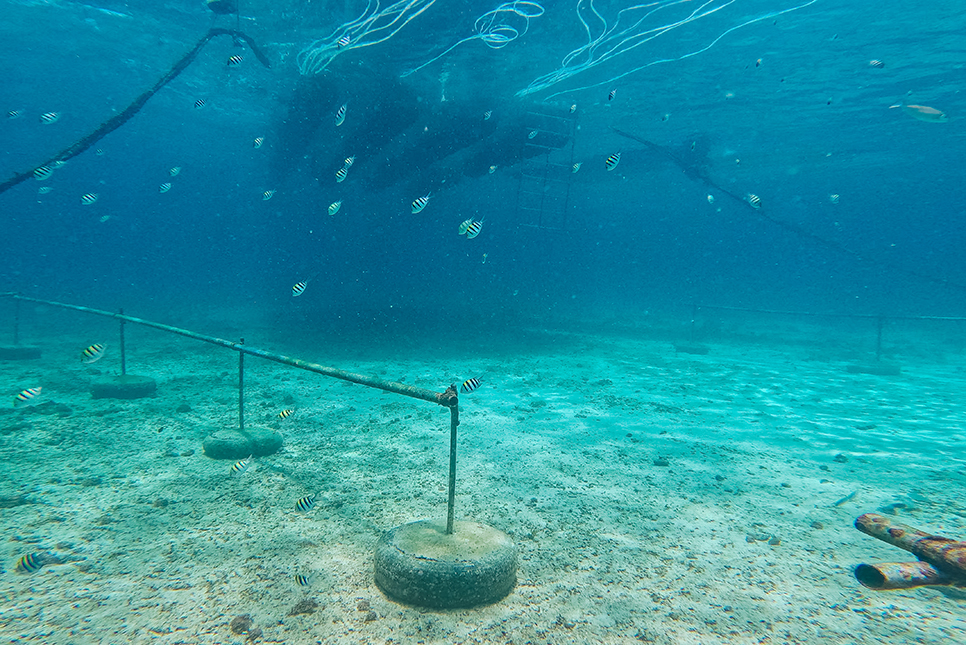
460	322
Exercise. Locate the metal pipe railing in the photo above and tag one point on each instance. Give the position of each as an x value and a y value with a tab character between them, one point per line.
449	398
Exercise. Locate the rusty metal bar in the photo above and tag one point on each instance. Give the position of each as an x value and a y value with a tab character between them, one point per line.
448	399
454	422
241	389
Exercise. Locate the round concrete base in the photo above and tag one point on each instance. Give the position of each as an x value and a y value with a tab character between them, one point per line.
232	444
128	386
18	352
419	564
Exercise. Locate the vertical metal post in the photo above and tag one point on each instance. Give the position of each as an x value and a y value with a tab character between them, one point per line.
16	322
454	421
878	339
241	388
123	355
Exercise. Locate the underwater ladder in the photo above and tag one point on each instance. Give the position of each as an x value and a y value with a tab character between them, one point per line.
427	563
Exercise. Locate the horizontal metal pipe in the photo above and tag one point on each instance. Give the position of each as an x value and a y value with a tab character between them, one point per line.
900	575
447	399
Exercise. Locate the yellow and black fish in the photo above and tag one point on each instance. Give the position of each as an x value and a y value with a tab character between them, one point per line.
234	60
754	200
334	207
93	353
465	225
348	162
303	580
27	395
240	466
49	117
487	115
14	114
285	414
341	174
340	114
878	64
474	229
268	194
613	93
43	172
576	166
174	171
611	162
420	203
165	187
200	103
299	288
30	563
343	42
88	199
305	503
470	385
257	143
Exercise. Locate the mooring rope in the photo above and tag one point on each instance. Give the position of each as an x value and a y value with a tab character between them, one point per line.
121	118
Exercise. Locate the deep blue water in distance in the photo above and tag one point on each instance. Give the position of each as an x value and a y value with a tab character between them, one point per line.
787	108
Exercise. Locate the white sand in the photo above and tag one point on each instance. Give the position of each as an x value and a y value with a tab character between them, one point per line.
557	448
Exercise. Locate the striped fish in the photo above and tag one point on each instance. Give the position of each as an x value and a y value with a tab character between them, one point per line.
349	161
43	172
533	134
240	466
285	414
470	385
303	580
49	117
268	194
299	288
487	115
754	200
200	103
465	225
175	171
340	115
14	114
45	189
234	61
574	168
341	174
334	207
343	42
93	353
613	93
420	203
305	503
165	187
474	229
573	108
612	161
30	563
878	64
27	395
257	143
88	199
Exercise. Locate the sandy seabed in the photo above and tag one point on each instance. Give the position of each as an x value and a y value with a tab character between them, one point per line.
654	496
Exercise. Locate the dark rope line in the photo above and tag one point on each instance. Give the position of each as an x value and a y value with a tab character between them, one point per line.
797	230
121	118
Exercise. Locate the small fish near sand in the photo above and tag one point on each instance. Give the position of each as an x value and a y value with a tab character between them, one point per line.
305	503
299	288
284	414
27	395
240	466
470	385
420	203
303	580
31	563
93	353
847	498
923	113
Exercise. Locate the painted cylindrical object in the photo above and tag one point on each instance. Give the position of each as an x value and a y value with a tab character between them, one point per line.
900	575
945	555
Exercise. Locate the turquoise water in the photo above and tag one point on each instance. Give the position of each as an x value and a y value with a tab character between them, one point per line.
668	474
